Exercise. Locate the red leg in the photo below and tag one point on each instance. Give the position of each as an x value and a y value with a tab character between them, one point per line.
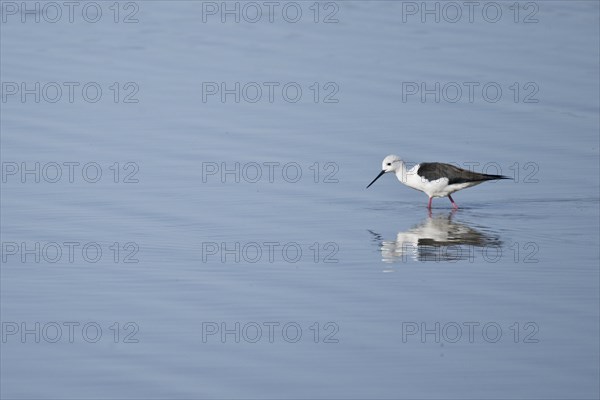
454	205
429	205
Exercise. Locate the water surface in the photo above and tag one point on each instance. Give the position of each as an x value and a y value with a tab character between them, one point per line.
242	256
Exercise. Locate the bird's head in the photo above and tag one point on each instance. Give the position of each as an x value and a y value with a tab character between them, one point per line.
389	164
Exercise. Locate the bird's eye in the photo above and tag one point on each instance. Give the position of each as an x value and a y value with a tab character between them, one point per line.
389	163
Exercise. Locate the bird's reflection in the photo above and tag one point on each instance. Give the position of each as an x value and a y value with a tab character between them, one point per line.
437	238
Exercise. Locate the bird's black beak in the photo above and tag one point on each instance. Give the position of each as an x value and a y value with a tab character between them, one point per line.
377	177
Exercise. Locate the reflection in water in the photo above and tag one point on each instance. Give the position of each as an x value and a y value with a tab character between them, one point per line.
438	238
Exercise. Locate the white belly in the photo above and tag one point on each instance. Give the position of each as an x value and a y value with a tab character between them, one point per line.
437	188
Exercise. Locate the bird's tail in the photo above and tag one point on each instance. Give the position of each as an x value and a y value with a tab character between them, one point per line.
493	177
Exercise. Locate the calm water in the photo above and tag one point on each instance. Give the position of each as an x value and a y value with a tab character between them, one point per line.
173	242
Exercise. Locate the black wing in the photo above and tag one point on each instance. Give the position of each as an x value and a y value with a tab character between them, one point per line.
433	171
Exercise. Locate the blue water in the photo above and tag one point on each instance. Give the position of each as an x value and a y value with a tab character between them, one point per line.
230	250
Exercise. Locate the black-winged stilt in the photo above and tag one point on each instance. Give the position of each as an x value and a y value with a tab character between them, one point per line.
433	178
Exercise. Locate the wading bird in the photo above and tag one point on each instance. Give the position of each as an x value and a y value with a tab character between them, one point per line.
433	178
